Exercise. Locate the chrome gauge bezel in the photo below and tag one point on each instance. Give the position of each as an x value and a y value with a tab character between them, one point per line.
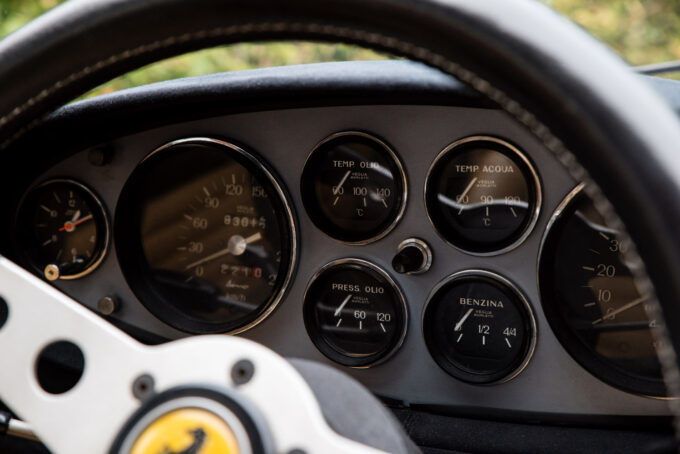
535	181
105	224
460	374
331	353
403	178
597	367
261	166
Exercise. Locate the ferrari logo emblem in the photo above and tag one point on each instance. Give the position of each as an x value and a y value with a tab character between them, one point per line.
186	431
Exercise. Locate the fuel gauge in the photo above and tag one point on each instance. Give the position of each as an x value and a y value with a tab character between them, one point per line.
355	313
479	328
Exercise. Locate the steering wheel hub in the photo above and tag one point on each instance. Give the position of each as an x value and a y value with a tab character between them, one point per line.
192	420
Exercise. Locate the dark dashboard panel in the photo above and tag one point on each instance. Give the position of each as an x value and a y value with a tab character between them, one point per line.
428	113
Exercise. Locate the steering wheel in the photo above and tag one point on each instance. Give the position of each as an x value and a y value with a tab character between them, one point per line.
582	103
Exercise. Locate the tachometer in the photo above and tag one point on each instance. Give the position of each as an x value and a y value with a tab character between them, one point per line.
206	236
591	301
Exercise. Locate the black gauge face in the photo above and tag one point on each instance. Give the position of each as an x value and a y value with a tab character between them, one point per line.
482	195
354	187
354	313
62	228
478	328
592	303
212	235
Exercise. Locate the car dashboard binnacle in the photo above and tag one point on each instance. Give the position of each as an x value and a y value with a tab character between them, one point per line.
384	220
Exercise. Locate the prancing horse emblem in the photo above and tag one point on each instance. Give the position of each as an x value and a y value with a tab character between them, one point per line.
195	446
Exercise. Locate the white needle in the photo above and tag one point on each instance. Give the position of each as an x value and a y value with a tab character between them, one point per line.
459	325
75	217
237	246
623	308
467	189
342	305
253	238
339	186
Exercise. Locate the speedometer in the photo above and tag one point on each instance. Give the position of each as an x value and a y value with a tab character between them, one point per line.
591	300
206	236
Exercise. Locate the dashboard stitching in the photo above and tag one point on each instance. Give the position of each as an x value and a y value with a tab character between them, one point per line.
666	353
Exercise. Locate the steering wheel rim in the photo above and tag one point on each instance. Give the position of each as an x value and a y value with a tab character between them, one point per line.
571	93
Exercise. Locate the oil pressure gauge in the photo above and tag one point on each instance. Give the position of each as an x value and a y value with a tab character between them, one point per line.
354	187
479	328
354	313
483	195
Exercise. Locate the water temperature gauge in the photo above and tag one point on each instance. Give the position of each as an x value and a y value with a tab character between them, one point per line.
479	328
355	313
483	195
354	187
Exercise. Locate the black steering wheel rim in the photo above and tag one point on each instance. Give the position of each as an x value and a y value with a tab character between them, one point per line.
576	98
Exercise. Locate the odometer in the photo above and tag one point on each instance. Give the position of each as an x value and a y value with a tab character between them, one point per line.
591	300
212	235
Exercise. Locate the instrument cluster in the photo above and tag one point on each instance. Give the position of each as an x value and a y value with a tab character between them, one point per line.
208	238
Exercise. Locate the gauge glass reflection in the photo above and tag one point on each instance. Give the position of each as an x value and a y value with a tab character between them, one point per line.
482	195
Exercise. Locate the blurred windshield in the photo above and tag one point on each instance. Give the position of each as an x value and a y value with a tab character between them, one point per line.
641	31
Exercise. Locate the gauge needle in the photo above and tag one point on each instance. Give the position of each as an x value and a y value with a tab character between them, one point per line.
71	225
342	305
467	189
339	186
623	308
459	325
237	245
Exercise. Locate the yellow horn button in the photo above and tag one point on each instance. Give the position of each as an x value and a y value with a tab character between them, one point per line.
186	431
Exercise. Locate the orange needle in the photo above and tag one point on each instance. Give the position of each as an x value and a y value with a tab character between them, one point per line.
71	226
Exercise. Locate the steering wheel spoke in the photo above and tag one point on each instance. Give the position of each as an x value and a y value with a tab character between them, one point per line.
122	376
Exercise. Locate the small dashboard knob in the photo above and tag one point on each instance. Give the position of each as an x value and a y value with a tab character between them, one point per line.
413	256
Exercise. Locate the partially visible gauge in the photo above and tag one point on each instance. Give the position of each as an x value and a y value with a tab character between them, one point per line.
206	236
354	313
591	301
62	229
479	328
354	187
483	195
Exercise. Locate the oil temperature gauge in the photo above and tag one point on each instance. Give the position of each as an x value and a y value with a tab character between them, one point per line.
354	187
479	328
483	195
354	313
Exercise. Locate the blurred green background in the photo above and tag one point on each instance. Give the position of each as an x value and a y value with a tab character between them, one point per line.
641	31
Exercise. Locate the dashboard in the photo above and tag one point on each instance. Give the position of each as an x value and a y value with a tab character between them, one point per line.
417	238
